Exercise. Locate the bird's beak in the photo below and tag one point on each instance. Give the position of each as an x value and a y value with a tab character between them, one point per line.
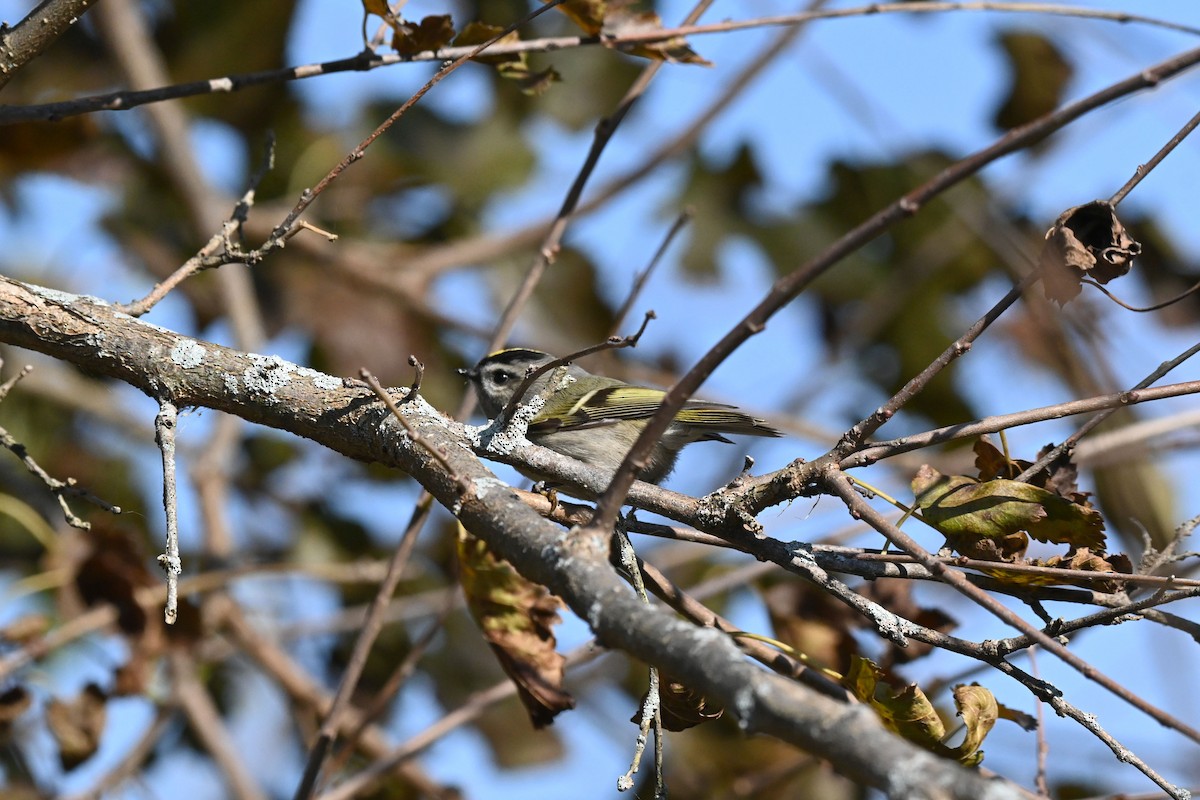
470	374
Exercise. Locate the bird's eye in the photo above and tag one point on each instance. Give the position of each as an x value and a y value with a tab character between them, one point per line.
502	377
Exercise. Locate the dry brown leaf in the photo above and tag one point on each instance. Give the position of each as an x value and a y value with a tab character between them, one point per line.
517	618
431	34
1086	241
625	21
587	14
14	702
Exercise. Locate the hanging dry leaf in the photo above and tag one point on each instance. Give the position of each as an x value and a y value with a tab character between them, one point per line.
909	712
979	711
1084	559
77	725
429	35
906	711
379	8
1086	241
1025	721
517	619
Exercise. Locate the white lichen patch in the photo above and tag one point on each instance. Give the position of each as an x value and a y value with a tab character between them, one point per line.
472	434
485	485
268	374
507	439
187	353
321	380
231	384
63	298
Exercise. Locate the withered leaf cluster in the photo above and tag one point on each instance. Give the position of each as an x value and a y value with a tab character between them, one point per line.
991	517
1085	242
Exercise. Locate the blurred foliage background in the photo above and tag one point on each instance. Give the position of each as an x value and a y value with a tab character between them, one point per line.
436	226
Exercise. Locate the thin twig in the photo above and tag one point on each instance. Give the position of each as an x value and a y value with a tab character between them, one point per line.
789	286
279	235
1043	748
362	650
132	762
639	281
412	432
391	687
1001	422
205	720
124	100
219	250
1145	169
548	251
1069	443
307	693
651	709
164	436
40	28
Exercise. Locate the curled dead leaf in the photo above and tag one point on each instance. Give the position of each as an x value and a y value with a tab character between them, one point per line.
1086	241
682	707
517	618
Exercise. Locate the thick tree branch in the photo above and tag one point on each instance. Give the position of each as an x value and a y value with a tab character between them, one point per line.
273	392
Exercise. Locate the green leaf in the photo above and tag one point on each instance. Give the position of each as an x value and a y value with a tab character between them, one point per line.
1039	74
964	508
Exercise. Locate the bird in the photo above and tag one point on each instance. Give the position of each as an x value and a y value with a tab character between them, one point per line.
596	419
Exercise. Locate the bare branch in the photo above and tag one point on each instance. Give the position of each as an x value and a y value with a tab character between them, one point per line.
40	28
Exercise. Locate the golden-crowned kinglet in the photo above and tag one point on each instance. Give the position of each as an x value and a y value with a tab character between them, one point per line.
596	419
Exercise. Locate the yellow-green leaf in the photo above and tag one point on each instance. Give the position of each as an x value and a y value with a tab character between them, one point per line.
979	711
908	711
963	507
